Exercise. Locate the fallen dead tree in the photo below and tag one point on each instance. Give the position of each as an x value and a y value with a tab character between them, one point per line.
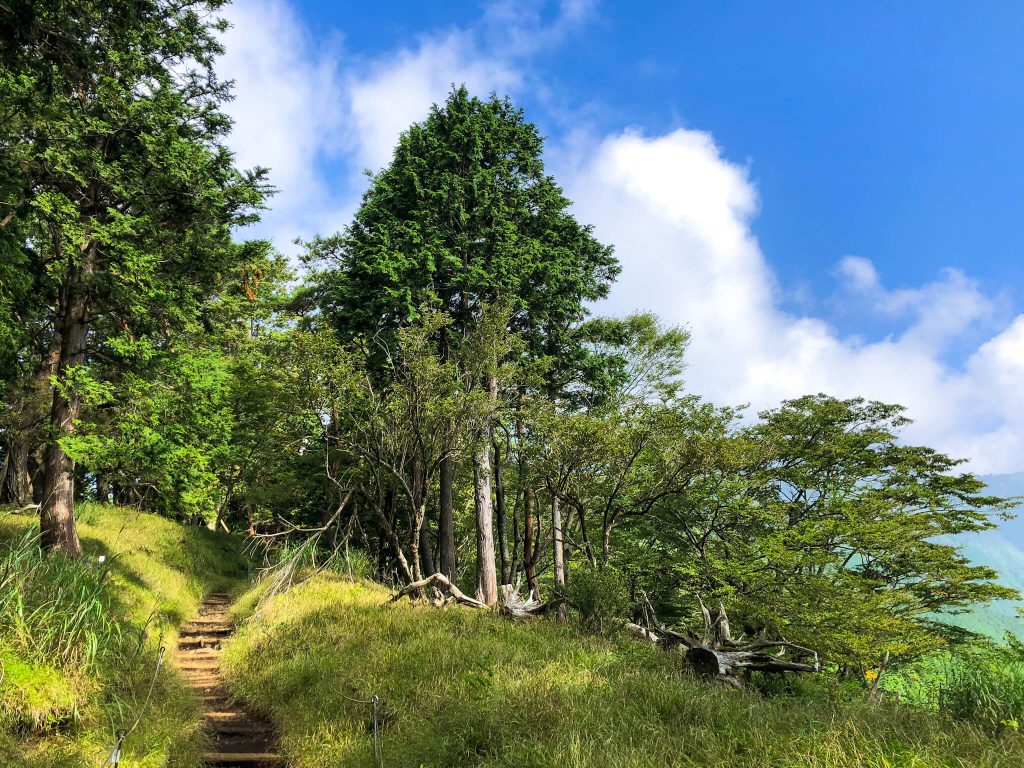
715	654
510	602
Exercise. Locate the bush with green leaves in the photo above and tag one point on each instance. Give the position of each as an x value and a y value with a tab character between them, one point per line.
598	593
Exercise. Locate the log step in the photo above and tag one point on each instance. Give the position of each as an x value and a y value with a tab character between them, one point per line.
252	759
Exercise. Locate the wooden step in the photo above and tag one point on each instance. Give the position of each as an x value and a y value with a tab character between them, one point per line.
252	759
200	641
212	634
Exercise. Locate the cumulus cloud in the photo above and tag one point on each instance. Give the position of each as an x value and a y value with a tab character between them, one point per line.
288	109
678	212
398	90
679	215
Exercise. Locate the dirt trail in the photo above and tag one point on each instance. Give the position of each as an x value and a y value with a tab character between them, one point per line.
237	738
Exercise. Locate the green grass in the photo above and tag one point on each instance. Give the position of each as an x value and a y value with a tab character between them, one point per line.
463	688
79	639
981	685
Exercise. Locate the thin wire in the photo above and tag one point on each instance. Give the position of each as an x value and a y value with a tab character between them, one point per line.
114	758
373	701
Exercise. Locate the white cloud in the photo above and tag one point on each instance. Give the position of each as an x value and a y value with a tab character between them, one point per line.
288	109
679	215
677	211
399	90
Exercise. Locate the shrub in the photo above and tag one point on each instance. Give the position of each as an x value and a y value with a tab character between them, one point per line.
599	594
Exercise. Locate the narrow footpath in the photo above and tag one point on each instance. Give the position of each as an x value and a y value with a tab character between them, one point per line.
237	738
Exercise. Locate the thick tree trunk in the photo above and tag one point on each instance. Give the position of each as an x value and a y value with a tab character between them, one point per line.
486	576
426	549
18	484
499	509
57	510
446	518
530	542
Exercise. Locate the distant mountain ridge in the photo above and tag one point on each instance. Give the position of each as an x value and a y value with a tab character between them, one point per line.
1002	549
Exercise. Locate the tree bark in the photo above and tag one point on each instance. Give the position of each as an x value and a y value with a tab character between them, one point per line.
57	509
558	552
18	484
392	537
530	542
446	518
499	509
102	489
486	575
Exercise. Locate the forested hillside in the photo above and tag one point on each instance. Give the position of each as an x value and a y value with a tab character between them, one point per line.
426	397
1001	550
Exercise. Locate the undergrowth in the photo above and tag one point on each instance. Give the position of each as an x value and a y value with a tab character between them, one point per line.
80	638
982	685
460	687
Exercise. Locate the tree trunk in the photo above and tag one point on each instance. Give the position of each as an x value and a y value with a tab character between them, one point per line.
530	542
102	489
426	552
486	576
57	509
558	552
446	518
18	484
499	509
392	537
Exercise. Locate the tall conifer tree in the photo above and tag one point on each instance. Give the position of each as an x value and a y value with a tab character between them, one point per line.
464	215
116	172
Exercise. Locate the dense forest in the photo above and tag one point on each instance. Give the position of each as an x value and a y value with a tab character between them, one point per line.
427	393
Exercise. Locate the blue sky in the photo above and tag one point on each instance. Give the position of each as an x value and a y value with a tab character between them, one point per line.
828	194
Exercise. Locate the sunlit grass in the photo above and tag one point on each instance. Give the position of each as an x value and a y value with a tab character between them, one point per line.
79	638
463	688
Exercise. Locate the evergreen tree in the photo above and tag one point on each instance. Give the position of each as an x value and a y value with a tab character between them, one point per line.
462	217
116	170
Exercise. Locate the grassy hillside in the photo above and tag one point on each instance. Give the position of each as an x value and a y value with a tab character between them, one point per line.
79	639
463	688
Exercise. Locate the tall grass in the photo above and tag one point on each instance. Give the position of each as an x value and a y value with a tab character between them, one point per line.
79	638
980	685
55	610
461	688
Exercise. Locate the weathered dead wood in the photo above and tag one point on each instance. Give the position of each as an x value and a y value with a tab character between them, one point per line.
510	604
717	655
442	583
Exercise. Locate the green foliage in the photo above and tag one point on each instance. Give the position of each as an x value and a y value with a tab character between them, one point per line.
817	524
982	684
465	688
599	594
463	216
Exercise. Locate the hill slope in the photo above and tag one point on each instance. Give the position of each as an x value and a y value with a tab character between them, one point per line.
78	639
1003	550
460	687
